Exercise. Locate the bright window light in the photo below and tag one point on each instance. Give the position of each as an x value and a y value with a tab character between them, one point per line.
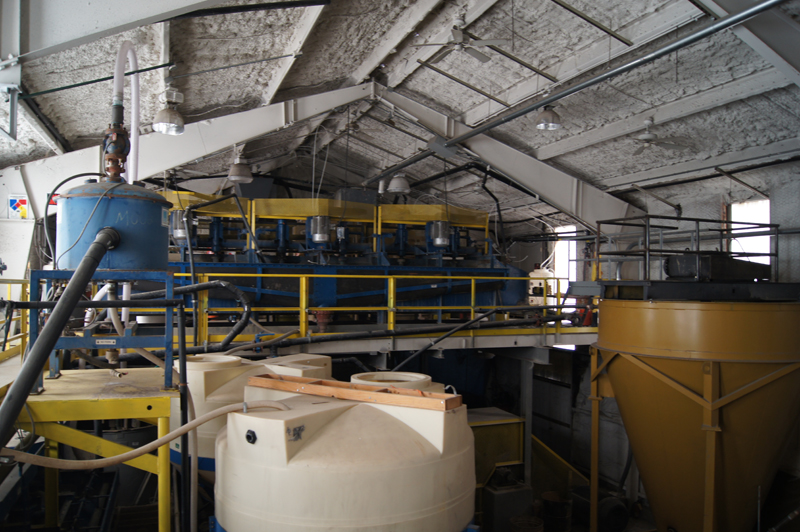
566	267
753	212
564	260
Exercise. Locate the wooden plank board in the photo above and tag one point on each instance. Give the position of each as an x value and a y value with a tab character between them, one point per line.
385	395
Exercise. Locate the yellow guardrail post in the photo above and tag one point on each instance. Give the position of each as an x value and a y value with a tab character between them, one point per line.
23	320
303	306
391	303
377	229
472	299
201	328
558	302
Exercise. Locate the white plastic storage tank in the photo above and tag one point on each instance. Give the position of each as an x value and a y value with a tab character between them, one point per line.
217	380
334	465
398	379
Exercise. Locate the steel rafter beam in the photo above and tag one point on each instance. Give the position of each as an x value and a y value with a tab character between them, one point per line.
776	151
411	17
409	20
53	26
773	35
738	89
561	190
301	33
408	67
674	14
159	153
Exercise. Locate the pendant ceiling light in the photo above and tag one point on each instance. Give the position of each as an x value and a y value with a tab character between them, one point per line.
548	119
169	121
398	185
240	171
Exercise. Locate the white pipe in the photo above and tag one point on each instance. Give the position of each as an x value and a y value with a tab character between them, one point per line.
90	313
126	311
128	51
35	459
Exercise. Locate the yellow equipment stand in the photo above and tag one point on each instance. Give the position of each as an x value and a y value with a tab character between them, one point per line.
80	395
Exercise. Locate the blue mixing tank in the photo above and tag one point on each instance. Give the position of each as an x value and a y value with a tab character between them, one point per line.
140	216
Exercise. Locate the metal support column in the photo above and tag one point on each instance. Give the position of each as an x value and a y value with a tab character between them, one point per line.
526	397
51	486
595	451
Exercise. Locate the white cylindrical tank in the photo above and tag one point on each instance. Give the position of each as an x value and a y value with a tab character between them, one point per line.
344	466
540	279
217	380
398	379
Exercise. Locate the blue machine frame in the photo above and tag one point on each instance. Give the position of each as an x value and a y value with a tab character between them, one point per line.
88	341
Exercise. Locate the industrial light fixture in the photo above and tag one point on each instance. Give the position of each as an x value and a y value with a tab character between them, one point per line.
548	119
169	121
398	185
240	171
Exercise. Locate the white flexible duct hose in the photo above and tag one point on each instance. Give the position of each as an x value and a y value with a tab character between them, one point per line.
57	463
128	51
90	313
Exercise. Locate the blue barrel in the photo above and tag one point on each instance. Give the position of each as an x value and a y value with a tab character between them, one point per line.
140	216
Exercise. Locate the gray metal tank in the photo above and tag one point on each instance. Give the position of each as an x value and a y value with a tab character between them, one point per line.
140	216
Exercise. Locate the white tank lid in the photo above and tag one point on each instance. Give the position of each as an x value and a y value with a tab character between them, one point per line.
398	379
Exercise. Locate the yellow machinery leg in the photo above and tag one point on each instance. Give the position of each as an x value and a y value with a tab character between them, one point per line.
163	478
711	426
51	486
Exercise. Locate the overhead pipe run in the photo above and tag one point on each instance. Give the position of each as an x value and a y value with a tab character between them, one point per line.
229	10
106	239
714	27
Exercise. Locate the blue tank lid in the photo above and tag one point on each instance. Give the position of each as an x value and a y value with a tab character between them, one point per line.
125	191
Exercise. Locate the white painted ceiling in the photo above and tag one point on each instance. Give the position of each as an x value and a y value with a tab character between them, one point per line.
756	108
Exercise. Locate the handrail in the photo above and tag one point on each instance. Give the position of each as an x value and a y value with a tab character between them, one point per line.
303	309
17	343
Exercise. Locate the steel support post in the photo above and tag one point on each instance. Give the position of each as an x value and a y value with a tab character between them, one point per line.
51	486
526	397
595	450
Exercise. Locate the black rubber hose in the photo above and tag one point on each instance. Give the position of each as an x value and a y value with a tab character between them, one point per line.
384	333
444	336
390	333
499	213
183	386
106	239
186	217
117	303
241	297
354	360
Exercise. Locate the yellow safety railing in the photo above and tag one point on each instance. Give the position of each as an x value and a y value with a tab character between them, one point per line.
303	309
18	342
